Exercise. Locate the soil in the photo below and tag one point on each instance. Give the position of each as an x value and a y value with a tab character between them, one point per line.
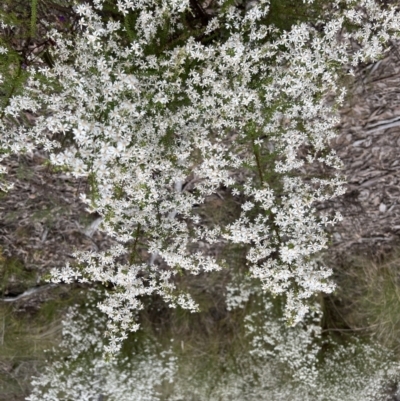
369	146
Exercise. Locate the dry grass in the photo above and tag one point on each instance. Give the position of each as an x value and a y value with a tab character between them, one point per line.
367	299
23	340
25	334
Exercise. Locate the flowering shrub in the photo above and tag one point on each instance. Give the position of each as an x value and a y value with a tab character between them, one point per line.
302	362
166	94
285	363
79	372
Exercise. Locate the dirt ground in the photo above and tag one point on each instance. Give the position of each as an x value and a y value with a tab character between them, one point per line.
369	145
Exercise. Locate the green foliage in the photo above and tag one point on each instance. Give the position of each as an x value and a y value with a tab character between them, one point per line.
34	4
16	16
129	25
283	14
13	76
25	30
14	276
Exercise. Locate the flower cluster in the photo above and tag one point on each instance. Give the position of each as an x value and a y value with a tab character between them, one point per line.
222	98
78	370
284	363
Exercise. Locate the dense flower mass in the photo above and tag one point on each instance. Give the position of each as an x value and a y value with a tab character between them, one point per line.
168	103
283	363
80	372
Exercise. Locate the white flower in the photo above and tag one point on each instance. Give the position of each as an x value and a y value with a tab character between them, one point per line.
246	112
